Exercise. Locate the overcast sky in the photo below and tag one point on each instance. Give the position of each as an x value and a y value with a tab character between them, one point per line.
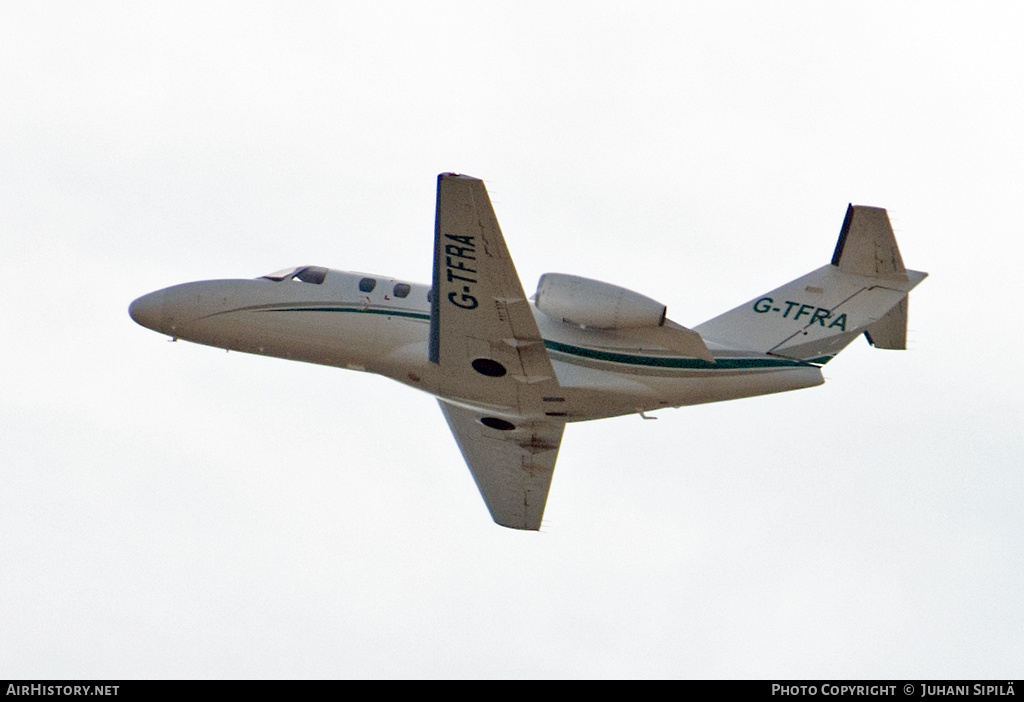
170	510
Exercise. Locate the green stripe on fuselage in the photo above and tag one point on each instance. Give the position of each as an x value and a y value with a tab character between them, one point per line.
721	363
358	310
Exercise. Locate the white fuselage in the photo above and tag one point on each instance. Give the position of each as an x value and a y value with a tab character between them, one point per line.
336	323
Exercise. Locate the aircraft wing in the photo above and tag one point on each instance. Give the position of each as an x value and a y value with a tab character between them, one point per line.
491	358
482	331
512	468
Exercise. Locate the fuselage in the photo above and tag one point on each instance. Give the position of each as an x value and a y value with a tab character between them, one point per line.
381	325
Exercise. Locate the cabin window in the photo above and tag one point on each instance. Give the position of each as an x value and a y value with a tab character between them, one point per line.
304	274
402	289
367	284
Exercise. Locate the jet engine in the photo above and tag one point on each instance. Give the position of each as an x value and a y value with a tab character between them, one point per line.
591	303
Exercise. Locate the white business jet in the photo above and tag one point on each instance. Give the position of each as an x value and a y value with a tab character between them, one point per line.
509	372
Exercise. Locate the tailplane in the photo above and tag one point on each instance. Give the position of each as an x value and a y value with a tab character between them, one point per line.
864	290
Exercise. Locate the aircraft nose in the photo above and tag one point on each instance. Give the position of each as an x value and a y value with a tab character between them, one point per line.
148	310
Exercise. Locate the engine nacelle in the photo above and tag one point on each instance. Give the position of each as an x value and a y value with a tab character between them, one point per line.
591	303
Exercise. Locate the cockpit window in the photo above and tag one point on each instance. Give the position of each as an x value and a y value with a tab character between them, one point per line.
367	284
305	274
282	274
402	289
312	274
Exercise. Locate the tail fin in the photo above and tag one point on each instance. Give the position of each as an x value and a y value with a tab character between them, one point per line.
863	291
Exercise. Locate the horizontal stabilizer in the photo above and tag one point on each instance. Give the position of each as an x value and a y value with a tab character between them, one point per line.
890	332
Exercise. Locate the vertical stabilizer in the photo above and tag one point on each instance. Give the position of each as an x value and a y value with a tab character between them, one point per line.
867	245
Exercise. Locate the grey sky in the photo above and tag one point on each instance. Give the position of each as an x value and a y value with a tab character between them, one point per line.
169	510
